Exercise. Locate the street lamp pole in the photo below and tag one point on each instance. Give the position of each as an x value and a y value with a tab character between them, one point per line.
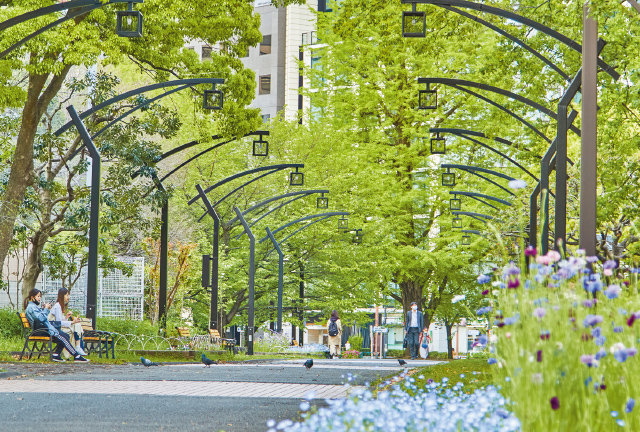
252	272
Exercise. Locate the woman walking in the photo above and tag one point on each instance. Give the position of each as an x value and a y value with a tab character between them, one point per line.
334	327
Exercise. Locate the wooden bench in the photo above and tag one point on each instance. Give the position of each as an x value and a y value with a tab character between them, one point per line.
229	344
96	340
184	335
40	339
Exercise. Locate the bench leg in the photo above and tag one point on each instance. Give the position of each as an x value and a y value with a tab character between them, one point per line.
24	348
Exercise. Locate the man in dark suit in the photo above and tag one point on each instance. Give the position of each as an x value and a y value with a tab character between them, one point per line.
412	326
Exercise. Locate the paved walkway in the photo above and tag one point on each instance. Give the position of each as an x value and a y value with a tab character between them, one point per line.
186	397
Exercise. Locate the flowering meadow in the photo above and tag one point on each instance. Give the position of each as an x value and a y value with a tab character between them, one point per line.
442	407
564	342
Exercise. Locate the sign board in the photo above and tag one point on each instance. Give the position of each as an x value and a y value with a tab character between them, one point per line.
379	329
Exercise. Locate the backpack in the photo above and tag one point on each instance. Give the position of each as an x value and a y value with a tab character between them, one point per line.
333	328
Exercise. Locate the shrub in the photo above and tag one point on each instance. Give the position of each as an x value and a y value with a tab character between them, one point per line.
125	326
356	342
395	353
10	325
352	354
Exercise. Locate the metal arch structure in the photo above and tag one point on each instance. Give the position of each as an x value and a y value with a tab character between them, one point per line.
277	248
180	82
481	197
451	4
478	216
297	195
303	219
494	89
474	170
85	6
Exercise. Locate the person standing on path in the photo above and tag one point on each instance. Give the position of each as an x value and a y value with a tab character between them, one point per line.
412	326
334	328
425	340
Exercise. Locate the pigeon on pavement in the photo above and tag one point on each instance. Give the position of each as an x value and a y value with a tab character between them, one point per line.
147	362
402	362
207	361
308	364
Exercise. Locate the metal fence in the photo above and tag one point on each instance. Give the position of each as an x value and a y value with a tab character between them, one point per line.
119	296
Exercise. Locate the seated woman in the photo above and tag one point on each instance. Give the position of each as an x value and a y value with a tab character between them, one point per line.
60	314
38	319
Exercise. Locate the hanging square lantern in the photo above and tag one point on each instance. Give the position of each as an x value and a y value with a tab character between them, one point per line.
455	204
129	23
457	223
438	145
296	178
466	239
212	100
448	179
343	223
427	99
414	23
322	202
260	147
357	236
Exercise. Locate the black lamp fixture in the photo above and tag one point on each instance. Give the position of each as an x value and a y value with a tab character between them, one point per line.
438	145
457	223
427	99
411	22
466	239
322	202
129	23
343	223
448	178
455	203
260	147
213	99
357	236
296	178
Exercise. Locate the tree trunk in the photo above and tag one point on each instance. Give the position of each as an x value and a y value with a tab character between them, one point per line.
33	266
448	326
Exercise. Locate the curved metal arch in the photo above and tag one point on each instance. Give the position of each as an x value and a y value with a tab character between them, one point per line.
476	232
494	89
134	92
518	18
478	216
302	219
188	161
472	169
277	167
506	110
461	135
512	38
297	231
458	131
480	197
271	211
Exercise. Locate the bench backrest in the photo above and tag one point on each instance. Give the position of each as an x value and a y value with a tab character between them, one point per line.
25	321
214	333
184	331
86	323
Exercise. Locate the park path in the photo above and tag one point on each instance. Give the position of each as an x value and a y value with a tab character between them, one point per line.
189	397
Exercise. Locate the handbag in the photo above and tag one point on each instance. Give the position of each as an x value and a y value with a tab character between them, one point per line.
404	342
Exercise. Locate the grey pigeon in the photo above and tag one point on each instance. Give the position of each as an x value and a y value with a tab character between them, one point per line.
308	364
147	362
207	361
327	355
402	362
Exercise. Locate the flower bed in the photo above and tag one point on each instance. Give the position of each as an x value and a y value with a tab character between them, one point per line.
565	346
353	354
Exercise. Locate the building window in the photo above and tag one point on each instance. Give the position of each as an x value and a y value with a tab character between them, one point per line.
265	46
265	117
206	52
264	85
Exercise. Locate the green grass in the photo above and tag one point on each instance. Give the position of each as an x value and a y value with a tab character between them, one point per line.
453	369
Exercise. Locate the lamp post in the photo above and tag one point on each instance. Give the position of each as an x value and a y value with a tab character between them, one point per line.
252	272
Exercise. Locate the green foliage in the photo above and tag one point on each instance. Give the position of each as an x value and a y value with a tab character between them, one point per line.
10	325
124	326
477	373
356	342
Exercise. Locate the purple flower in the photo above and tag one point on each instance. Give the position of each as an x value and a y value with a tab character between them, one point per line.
609	265
491	360
539	356
513	283
592	283
589	303
617	329
592	320
589	360
555	403
600	354
629	405
510	270
591	259
484	310
613	291
485	292
530	251
545	334
483	279
429	381
539	312
483	339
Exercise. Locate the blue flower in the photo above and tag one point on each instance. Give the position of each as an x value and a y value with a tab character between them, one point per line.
484	310
592	283
596	331
599	341
512	320
491	360
600	354
483	339
483	279
629	405
591	320
609	265
617	329
613	291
